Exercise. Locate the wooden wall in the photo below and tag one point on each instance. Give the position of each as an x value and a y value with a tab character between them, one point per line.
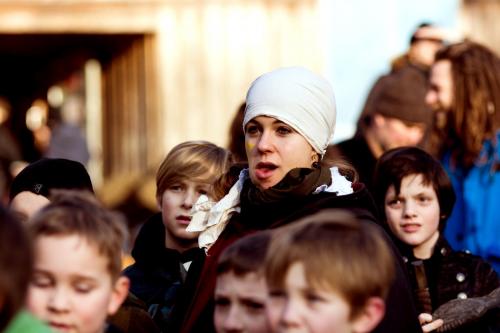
188	74
211	52
480	21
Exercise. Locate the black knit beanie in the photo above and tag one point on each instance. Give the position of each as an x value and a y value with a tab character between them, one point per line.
51	173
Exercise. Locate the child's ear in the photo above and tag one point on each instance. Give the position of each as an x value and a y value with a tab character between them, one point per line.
371	315
158	202
119	293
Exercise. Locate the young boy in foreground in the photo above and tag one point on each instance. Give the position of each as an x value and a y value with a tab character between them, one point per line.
241	292
76	282
328	273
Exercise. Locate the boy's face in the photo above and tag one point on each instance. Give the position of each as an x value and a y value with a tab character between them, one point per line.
299	307
72	289
240	303
175	205
413	215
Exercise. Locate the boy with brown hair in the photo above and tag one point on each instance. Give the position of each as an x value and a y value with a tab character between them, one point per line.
240	291
328	272
416	197
76	282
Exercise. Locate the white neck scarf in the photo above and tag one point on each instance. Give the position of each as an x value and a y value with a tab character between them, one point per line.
210	218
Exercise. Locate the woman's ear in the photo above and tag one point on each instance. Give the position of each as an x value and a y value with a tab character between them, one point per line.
370	316
314	157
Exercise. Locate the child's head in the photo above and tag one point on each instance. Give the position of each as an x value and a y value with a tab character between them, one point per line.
328	272
189	170
415	195
16	261
31	188
240	292
76	282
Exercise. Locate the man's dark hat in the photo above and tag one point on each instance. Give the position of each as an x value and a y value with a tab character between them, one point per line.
402	96
51	173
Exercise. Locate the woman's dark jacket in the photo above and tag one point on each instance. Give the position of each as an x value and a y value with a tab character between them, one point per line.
450	275
158	272
260	212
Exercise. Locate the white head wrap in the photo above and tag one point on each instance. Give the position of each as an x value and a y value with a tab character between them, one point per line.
297	97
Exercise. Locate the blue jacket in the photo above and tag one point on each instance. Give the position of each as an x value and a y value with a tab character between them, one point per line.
474	224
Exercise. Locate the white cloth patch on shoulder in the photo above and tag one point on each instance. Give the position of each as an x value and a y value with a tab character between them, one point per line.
339	185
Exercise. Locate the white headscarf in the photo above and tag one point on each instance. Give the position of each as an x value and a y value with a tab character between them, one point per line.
298	97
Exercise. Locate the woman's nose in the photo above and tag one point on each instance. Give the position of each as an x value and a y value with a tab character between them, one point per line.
265	142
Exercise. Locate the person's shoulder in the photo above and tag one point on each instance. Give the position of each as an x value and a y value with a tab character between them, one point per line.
24	322
132	317
360	202
470	262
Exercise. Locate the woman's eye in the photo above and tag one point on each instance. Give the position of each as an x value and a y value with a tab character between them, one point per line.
283	130
251	129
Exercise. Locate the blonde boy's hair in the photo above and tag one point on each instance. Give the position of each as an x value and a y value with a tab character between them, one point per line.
199	161
339	253
79	213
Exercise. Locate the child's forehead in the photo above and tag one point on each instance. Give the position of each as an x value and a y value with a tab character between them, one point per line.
69	253
416	179
67	241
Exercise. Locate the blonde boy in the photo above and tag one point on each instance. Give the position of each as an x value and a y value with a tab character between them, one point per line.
328	273
164	250
76	282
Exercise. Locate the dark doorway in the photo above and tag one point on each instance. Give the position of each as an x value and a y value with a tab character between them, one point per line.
31	63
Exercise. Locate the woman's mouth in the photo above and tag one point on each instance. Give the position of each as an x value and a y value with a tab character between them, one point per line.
264	170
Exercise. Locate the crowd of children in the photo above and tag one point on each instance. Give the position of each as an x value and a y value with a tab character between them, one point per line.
287	243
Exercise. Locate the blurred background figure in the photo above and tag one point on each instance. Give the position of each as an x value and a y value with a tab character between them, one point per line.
67	138
16	267
465	94
424	43
398	117
9	149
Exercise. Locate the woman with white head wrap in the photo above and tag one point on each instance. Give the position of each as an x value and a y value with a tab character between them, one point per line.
289	121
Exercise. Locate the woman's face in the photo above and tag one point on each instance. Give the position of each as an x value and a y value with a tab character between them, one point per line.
273	149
